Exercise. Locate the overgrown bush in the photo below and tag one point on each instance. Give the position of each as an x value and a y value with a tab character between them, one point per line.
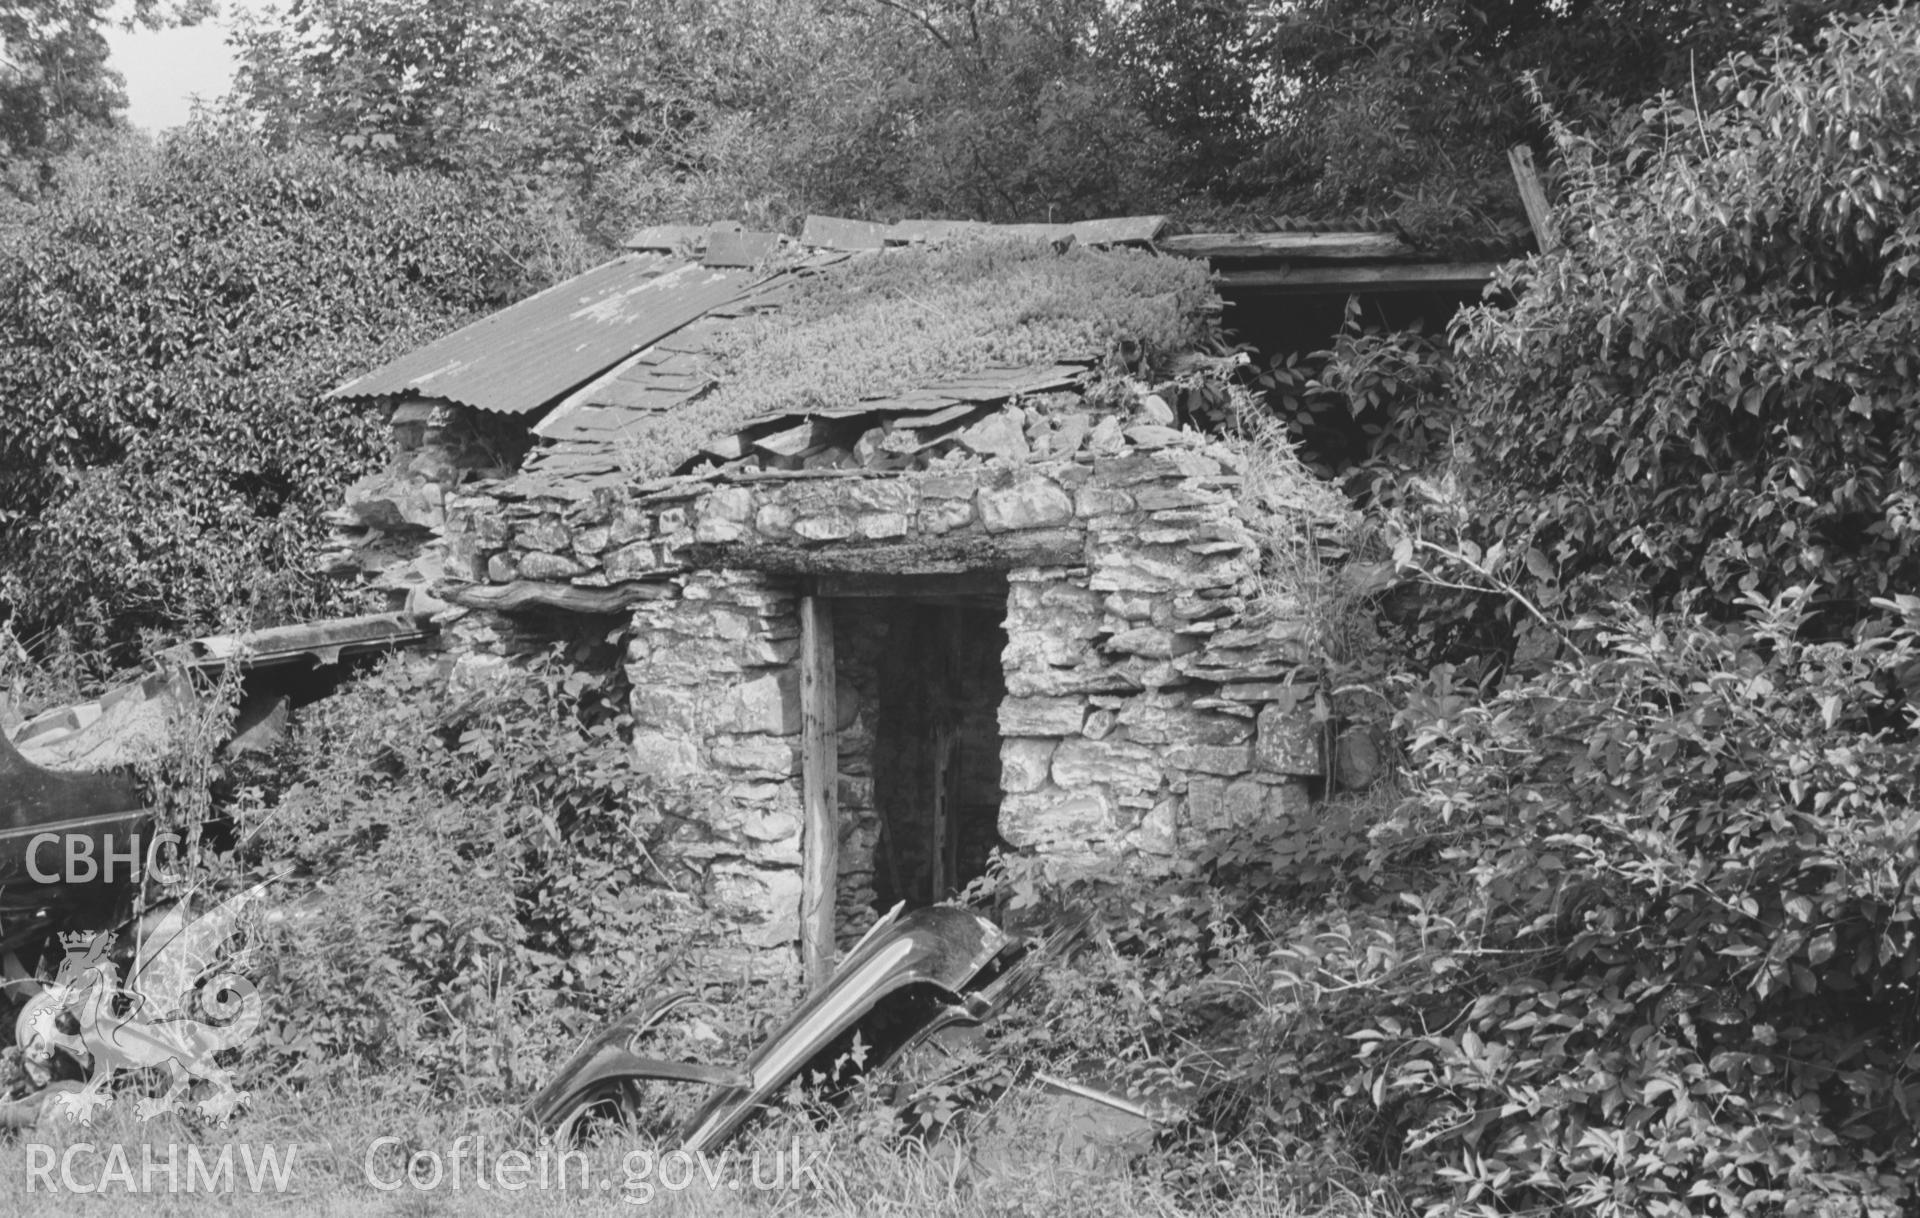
1374	411
1640	940
1712	384
479	881
171	316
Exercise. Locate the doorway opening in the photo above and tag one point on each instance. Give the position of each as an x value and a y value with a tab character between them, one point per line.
930	682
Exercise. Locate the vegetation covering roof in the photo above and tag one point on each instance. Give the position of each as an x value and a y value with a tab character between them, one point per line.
885	324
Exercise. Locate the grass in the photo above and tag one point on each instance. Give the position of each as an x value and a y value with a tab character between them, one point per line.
1008	1163
1307	530
887	323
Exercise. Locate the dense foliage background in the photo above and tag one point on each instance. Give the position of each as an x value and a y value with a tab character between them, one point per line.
171	316
640	110
1713	387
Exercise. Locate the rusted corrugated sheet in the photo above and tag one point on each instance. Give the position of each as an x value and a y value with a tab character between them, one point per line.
523	357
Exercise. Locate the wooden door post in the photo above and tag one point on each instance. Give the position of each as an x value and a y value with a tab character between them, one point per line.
819	790
1533	197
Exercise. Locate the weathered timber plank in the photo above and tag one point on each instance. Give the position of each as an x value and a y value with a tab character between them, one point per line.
1533	196
892	586
1330	246
819	783
1389	277
529	594
932	556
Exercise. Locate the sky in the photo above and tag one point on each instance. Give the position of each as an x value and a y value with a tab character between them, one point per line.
165	69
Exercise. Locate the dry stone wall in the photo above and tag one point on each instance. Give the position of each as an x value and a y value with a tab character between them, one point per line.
1153	696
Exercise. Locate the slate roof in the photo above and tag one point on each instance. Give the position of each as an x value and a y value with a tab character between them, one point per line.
622	342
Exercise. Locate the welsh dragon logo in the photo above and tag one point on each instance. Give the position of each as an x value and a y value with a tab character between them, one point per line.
179	1006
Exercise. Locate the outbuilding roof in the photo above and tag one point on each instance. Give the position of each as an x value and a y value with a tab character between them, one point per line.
629	340
526	355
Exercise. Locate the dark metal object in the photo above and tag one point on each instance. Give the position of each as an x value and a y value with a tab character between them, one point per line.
912	975
69	846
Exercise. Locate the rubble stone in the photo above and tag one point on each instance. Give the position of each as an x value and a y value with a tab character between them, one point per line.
1042	716
833	526
1359	761
1029	504
1024	764
545	533
997	435
1086	763
769	705
1289	742
1050	817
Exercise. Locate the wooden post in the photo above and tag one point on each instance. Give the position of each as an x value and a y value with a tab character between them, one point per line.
946	868
1533	196
819	791
946	742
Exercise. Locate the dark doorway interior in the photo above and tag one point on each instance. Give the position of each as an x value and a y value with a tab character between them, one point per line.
936	747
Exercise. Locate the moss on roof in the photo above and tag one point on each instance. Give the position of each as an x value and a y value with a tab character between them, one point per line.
889	322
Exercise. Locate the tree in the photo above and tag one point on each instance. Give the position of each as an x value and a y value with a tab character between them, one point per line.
55	86
543	97
989	111
171	316
1408	108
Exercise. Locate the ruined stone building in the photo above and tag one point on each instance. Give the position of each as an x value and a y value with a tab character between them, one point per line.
973	602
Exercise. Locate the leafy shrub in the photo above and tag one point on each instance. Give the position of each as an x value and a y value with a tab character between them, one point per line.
1640	940
171	316
1713	381
1168	998
1374	411
1672	906
482	881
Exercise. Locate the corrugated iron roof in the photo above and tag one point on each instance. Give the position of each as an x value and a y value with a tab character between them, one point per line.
530	353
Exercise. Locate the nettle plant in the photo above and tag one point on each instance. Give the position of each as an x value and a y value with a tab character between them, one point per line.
477	880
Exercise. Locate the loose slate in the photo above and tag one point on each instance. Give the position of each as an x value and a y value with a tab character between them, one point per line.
738	249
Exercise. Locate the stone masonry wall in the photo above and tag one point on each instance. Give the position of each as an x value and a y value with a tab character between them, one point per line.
716	703
1152	697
